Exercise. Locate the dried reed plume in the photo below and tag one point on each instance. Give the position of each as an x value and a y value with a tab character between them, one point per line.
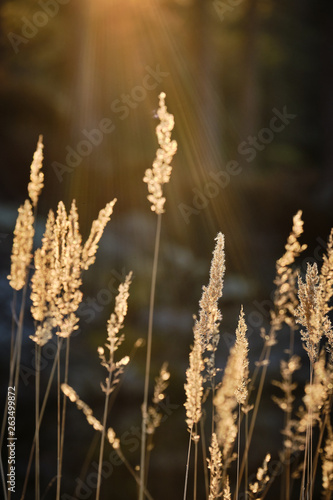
215	466
93	421
22	246
206	336
242	349
90	247
160	172
59	263
194	386
114	340
285	299
326	272
317	392
257	488
311	311
36	183
226	490
327	462
161	384
206	328
316	400
233	389
287	369
326	280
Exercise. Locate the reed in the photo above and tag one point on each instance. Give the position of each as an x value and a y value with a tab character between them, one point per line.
230	396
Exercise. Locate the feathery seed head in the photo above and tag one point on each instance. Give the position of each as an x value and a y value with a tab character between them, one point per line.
115	324
22	246
194	385
215	466
36	185
327	462
311	311
161	384
90	247
257	487
285	299
241	348
206	328
226	401
160	172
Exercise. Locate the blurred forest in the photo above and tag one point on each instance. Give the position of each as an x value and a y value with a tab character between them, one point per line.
249	83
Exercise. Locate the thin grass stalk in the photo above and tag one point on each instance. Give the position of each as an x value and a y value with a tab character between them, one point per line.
255	411
309	462
3	478
132	472
213	406
238	452
58	422
18	341
311	447
288	417
246	477
17	361
105	415
47	392
149	443
95	438
14	323
204	456
187	464
195	478
10	383
305	473
63	418
148	357
320	439
37	424
48	487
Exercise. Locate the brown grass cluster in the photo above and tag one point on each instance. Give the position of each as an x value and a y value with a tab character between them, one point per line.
229	396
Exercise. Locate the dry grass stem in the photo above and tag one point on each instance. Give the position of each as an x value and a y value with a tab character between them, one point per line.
215	466
90	247
160	172
114	340
311	312
233	389
206	328
194	386
326	281
287	386
257	488
285	298
242	349
327	463
226	490
22	246
36	183
154	414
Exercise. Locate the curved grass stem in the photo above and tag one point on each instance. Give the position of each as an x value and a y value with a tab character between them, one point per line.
148	359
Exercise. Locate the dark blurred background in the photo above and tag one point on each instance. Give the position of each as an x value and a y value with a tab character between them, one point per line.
250	85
